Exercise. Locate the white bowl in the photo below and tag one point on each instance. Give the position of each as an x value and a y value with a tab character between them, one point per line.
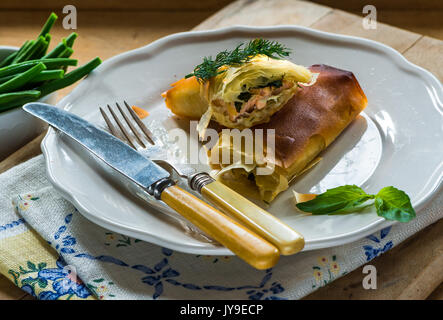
16	126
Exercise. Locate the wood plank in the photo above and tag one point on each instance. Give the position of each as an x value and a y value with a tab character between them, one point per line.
23	154
265	13
8	290
426	281
437	294
105	34
424	22
427	53
157	5
383	4
345	23
349	5
395	269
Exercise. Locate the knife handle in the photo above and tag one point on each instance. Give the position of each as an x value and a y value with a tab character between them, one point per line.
286	239
244	243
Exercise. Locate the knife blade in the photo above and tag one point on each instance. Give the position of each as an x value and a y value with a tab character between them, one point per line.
156	181
111	150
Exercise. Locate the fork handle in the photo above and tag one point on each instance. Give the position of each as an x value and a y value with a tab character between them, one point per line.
286	239
244	243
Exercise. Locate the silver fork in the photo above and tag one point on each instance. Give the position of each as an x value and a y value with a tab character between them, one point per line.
129	139
287	240
152	147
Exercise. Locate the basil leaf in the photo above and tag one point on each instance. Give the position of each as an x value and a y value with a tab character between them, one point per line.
394	204
337	200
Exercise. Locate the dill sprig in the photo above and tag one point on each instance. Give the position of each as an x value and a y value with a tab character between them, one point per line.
241	54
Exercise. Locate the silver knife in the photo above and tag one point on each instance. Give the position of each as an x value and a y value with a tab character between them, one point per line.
157	182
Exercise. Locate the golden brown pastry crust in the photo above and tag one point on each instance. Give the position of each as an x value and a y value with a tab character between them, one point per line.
315	115
184	98
304	127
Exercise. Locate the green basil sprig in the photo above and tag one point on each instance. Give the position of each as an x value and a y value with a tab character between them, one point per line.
390	203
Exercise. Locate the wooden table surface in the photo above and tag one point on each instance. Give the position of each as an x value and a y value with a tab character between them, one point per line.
108	32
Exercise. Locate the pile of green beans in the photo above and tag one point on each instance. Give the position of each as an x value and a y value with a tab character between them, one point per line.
32	72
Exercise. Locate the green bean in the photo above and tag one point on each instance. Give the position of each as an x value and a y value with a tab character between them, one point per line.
70	39
38	50
48	25
17	53
48	75
12	56
56	51
66	53
70	77
22	79
24	52
18	99
42	76
33	67
16	103
24	46
17	68
42	51
4	79
7	61
8	97
55	63
62	46
36	46
51	64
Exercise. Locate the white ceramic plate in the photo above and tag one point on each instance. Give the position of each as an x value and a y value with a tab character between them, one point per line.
398	140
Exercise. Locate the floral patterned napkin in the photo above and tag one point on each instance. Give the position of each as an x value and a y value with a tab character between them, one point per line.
49	250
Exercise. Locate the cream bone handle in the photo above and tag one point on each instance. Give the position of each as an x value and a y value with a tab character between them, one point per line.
246	244
286	239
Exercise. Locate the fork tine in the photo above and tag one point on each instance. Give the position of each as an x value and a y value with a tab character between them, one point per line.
131	126
111	127
142	126
122	128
